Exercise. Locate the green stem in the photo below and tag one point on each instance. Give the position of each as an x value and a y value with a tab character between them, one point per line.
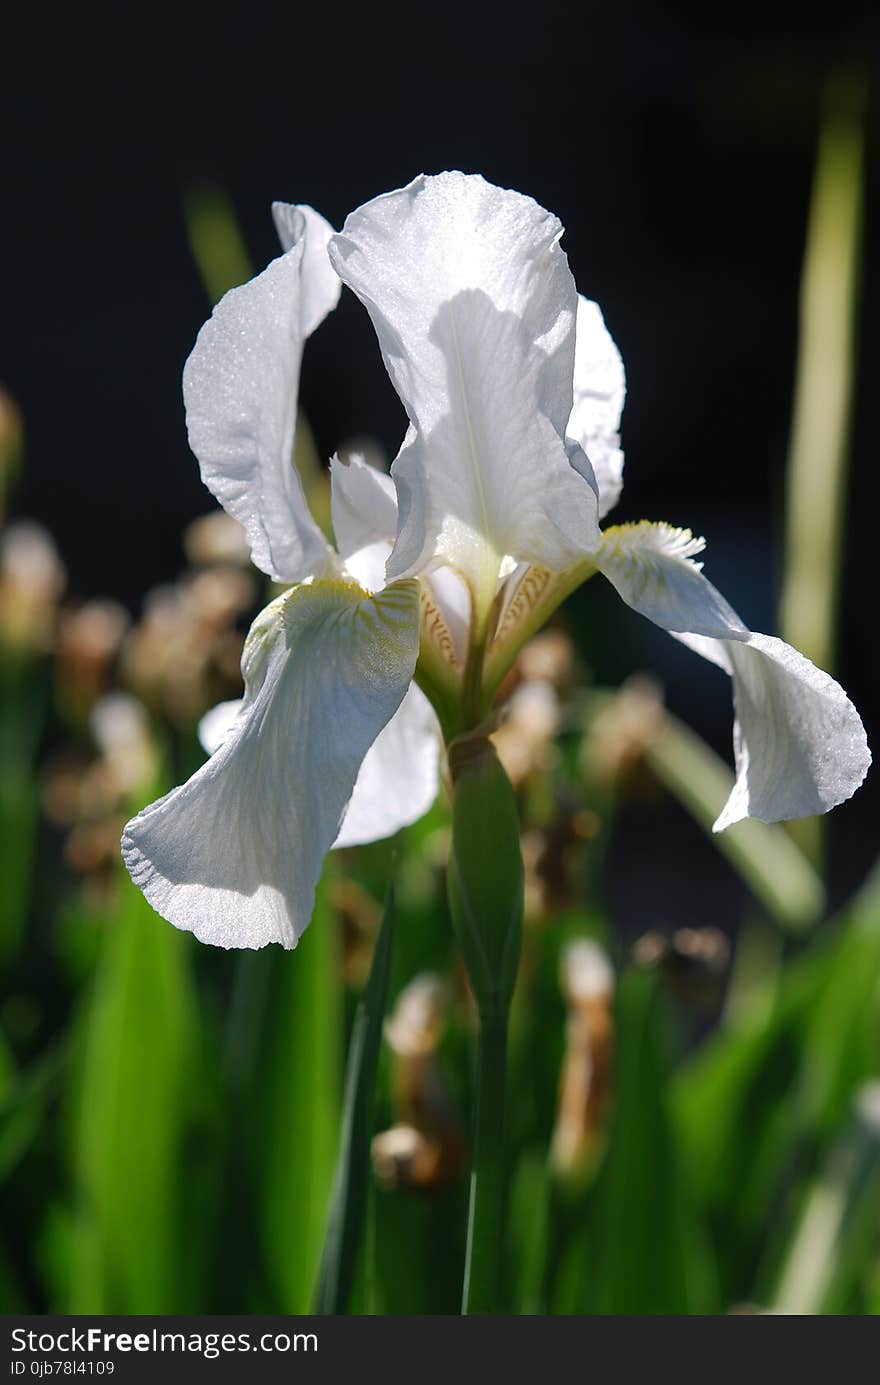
486	1213
485	882
472	696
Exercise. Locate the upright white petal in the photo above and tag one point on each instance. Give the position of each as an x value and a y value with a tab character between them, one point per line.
400	775
799	744
474	307
599	392
320	283
240	388
363	504
234	855
364	509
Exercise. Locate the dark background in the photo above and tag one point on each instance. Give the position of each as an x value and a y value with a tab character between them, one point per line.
676	145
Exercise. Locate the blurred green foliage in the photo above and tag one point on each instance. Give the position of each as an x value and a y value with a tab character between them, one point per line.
697	1136
169	1115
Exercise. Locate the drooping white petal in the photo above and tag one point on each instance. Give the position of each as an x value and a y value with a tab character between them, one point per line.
240	388
234	855
474	307
397	781
599	392
799	744
400	775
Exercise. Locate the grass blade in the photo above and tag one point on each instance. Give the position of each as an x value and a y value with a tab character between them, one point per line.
648	1251
350	1184
294	1130
818	458
215	240
772	865
817	463
133	1107
23	701
833	1241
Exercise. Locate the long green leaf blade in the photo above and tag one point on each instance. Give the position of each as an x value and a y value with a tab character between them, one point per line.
132	1113
295	1124
350	1185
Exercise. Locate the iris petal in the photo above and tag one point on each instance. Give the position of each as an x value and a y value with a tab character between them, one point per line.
474	307
240	388
799	744
400	775
599	392
234	855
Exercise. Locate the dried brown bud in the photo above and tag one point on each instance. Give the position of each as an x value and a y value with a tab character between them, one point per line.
183	655
416	1024
91	846
623	731
548	657
89	640
32	581
121	728
93	798
523	740
587	981
11	442
426	1148
404	1157
219	595
216	538
693	961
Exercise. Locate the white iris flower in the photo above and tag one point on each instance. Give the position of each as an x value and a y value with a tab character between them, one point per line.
513	389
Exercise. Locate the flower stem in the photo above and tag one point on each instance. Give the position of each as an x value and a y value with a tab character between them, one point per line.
472	683
486	1213
485	882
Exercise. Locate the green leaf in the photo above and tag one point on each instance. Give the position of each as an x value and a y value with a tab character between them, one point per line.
762	1097
841	1030
132	1110
731	1099
296	1106
24	1103
12	1293
215	239
648	1250
485	887
350	1184
528	1230
819	447
23	698
835	1238
819	450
